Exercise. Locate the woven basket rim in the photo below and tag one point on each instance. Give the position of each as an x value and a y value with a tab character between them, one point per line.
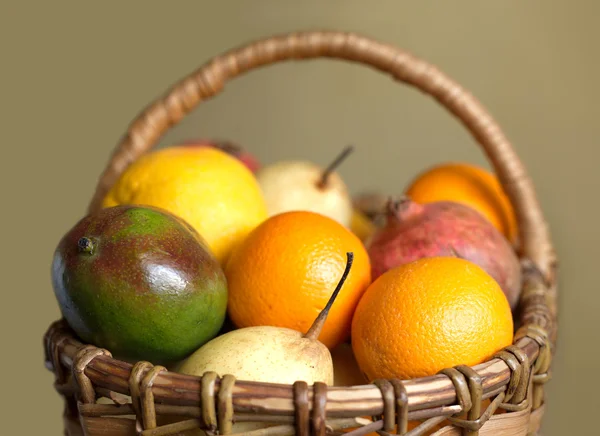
426	396
112	374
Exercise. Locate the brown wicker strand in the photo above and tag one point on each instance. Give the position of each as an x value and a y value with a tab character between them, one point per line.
147	397
319	418
389	405
302	408
61	382
81	360
225	405
461	384
333	427
208	80
538	388
68	388
541	367
401	406
134	380
96	410
474	419
207	401
539	335
374	426
477	424
538	301
424	414
520	399
52	341
516	372
425	426
175	428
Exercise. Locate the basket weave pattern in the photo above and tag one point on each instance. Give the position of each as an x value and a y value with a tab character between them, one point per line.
167	403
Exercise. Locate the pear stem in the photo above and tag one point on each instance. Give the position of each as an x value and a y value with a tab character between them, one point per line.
315	329
333	165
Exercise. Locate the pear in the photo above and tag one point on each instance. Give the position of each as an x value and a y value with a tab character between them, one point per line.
303	185
269	354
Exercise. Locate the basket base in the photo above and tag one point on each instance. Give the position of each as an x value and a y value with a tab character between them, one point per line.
522	423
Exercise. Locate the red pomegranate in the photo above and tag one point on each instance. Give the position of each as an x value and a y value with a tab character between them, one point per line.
444	228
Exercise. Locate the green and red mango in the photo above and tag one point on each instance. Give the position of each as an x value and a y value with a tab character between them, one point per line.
139	282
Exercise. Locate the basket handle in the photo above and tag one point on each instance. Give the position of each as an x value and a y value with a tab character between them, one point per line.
208	81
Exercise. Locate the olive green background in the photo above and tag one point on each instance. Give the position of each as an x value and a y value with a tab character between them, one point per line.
73	74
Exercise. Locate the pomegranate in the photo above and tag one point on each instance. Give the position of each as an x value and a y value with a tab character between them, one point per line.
444	228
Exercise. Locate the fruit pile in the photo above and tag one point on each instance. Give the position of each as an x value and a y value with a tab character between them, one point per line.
202	259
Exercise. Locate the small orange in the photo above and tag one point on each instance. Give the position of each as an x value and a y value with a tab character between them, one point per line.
427	315
284	272
470	185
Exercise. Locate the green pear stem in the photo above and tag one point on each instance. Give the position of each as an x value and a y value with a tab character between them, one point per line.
315	329
333	165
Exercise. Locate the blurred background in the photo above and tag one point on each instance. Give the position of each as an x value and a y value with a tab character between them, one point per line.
74	74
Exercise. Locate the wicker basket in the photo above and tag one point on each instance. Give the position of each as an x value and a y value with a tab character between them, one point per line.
167	403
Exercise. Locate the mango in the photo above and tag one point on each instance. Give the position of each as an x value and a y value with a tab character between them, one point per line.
140	282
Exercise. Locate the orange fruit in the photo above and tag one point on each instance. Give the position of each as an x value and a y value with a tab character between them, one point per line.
284	272
470	185
211	190
427	315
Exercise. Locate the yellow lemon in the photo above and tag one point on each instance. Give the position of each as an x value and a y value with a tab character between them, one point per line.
211	190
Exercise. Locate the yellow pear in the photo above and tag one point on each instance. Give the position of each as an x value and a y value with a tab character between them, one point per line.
268	354
303	185
264	354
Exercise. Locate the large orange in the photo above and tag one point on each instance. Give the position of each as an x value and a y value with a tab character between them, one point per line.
287	268
470	185
427	315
